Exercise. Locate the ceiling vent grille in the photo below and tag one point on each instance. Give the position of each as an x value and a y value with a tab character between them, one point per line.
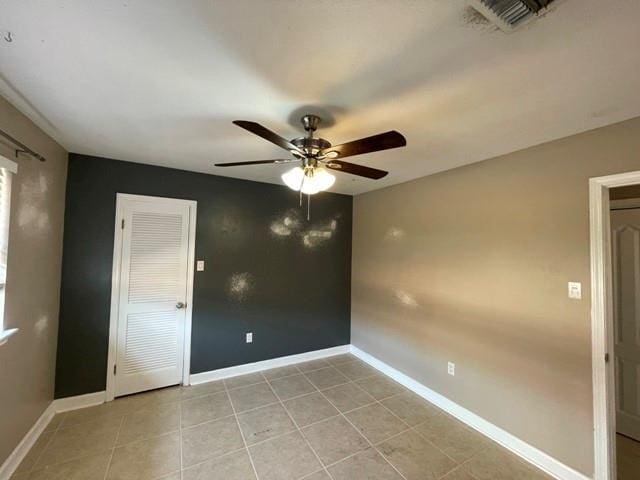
510	14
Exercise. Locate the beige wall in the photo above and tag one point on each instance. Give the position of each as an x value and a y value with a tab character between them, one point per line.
27	361
471	266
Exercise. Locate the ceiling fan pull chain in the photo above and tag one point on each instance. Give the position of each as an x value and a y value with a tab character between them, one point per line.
308	207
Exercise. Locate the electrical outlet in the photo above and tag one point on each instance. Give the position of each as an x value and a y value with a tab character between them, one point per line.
250	337
451	368
200	266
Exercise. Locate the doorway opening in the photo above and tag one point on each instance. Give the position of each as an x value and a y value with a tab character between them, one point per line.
615	300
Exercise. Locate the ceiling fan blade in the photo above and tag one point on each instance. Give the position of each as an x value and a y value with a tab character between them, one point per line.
375	143
354	169
268	135
256	162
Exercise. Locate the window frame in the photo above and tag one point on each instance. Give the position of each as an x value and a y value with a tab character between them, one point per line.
12	168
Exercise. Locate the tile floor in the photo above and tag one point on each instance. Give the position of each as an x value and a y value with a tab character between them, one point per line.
335	418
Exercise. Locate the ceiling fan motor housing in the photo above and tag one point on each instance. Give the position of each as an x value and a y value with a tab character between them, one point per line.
311	146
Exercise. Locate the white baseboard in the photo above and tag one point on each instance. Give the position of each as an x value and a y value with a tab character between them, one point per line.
527	452
266	364
13	461
79	401
56	406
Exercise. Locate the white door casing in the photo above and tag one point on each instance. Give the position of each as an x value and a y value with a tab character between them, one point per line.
625	251
152	291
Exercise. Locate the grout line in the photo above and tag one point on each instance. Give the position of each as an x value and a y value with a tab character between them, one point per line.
54	433
180	438
297	427
360	433
244	440
113	450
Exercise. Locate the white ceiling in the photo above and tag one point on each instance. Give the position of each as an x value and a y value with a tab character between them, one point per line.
159	81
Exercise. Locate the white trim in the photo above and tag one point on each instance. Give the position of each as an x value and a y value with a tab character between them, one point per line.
6	334
56	406
527	452
602	321
79	401
115	285
15	458
221	373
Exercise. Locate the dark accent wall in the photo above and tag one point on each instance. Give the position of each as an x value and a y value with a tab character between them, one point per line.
268	270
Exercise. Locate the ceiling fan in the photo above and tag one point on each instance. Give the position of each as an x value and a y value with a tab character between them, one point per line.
317	156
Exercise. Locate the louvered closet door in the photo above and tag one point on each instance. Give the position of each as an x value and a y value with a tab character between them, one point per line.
153	291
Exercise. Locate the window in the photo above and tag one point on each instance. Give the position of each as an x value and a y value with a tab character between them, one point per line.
7	170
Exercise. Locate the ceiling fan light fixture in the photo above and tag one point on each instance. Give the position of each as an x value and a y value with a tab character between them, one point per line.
310	181
293	178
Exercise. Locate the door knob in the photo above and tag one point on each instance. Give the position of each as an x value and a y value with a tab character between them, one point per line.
180	305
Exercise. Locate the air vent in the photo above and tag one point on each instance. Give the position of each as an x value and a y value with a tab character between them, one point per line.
509	14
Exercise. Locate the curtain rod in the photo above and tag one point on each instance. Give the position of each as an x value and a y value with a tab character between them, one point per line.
22	148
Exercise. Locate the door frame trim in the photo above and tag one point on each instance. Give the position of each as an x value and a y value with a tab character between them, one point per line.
115	285
602	342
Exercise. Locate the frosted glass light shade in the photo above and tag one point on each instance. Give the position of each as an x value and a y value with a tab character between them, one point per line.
293	178
311	182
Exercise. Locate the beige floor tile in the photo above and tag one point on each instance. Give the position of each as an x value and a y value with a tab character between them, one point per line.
458	474
376	423
356	369
321	475
147	459
284	458
340	359
202	389
365	465
92	467
235	466
453	437
172	476
149	422
415	457
210	440
55	422
380	387
113	411
312	365
243	380
156	397
326	378
310	409
254	396
281	372
292	386
348	397
20	476
32	455
204	409
496	463
411	408
264	423
79	441
334	439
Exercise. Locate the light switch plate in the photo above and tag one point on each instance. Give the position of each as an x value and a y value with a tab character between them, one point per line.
575	290
200	266
250	337
451	368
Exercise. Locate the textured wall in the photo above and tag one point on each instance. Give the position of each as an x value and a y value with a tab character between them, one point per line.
287	281
471	266
27	360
